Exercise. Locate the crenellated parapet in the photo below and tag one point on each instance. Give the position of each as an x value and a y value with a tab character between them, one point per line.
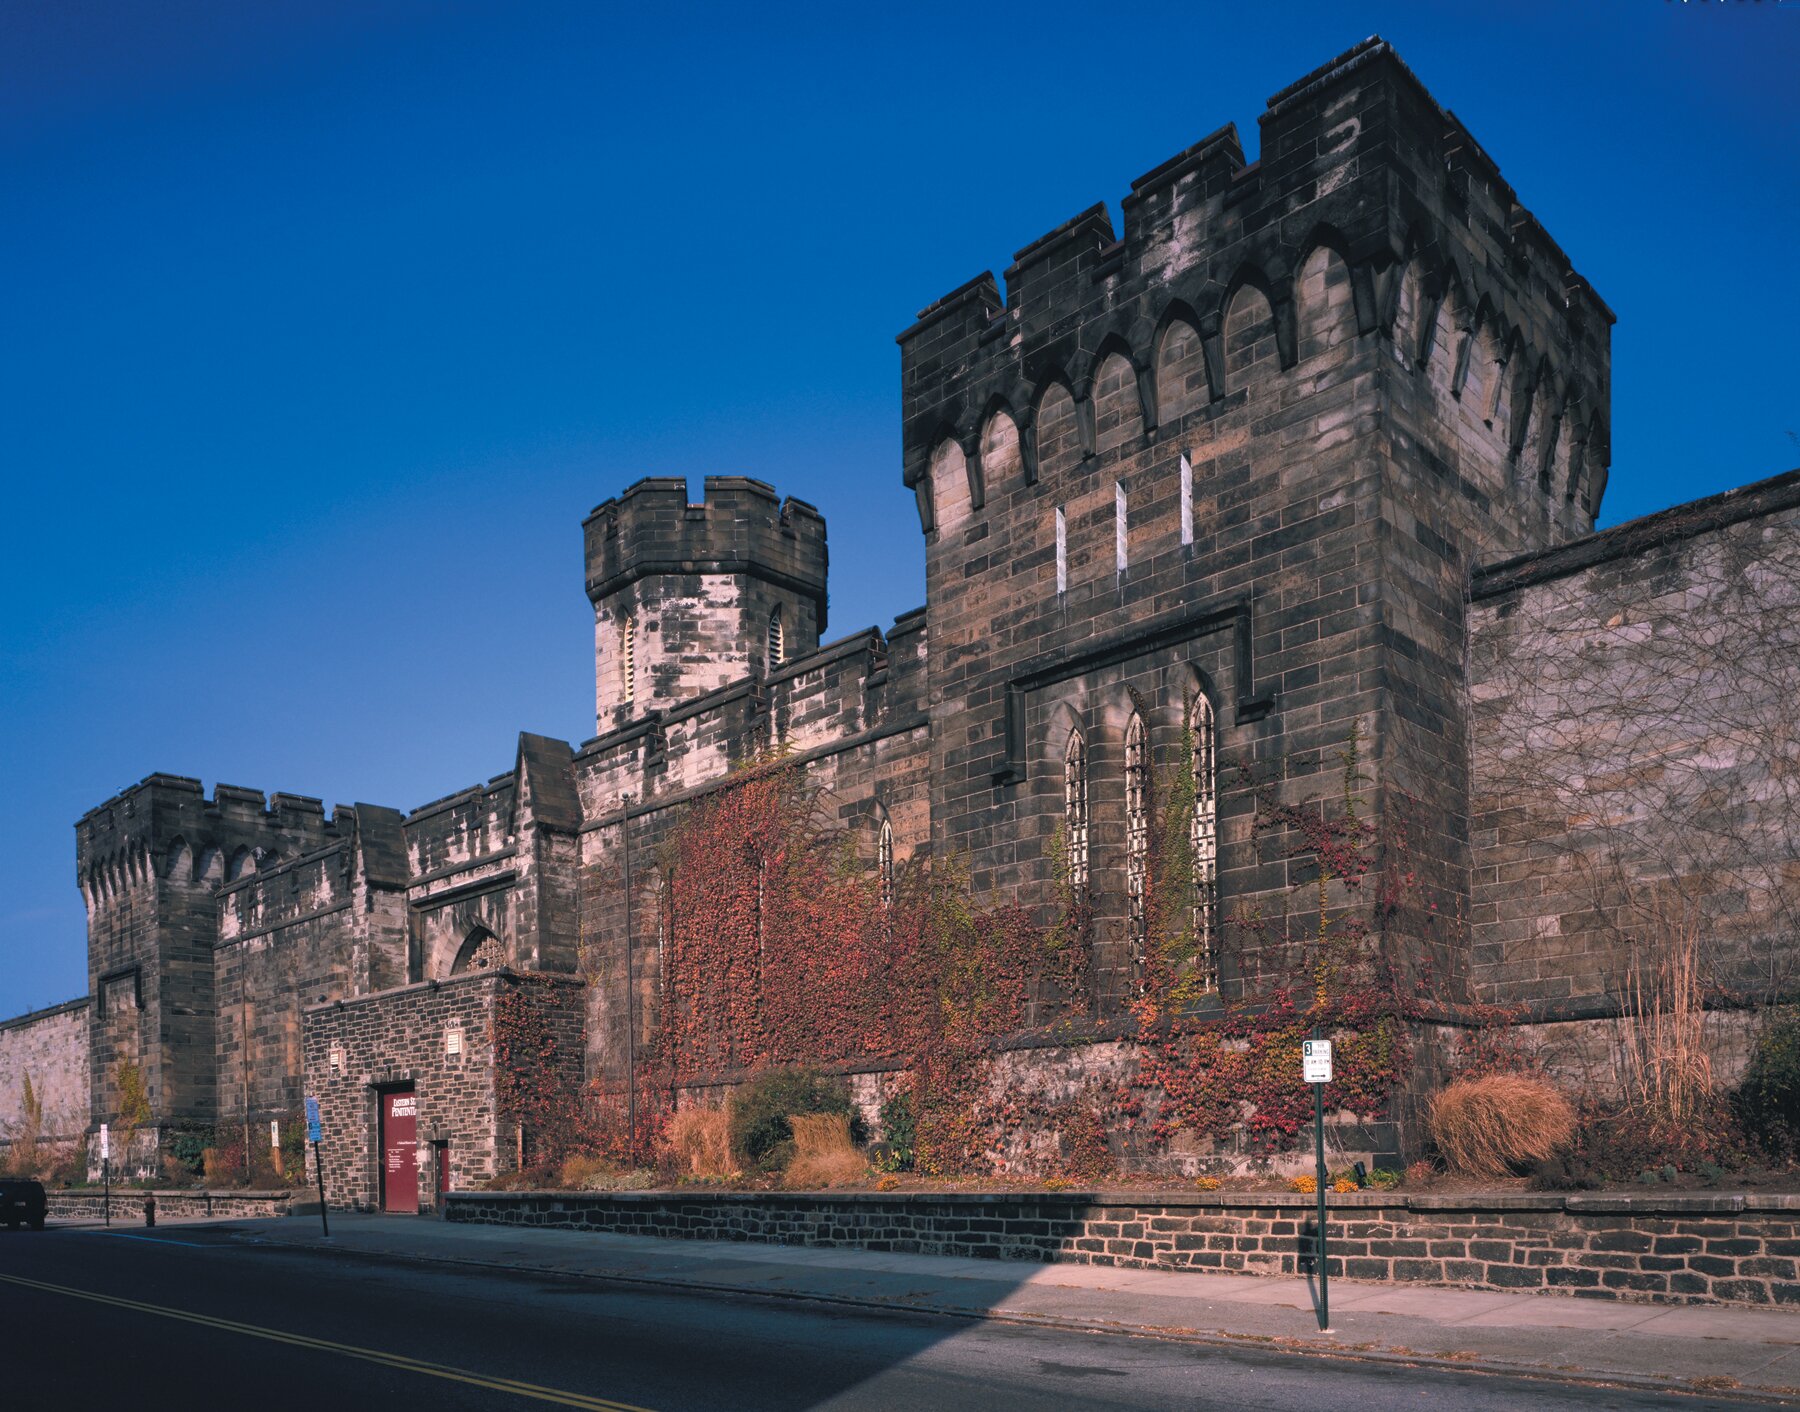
164	828
1359	165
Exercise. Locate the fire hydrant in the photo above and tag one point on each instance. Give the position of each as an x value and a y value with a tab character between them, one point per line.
150	1209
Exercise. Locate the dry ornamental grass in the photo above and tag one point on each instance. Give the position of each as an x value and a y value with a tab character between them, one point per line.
1487	1126
699	1141
824	1155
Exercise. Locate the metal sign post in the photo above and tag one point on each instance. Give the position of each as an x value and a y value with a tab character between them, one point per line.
313	1134
105	1175
1315	1062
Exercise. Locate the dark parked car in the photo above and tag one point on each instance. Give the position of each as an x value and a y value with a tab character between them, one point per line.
22	1202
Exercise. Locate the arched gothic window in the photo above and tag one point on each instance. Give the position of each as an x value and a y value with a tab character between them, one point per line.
777	640
628	659
481	952
1204	837
884	863
1075	812
1137	840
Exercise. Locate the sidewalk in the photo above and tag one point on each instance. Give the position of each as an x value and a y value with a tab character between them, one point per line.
1754	1353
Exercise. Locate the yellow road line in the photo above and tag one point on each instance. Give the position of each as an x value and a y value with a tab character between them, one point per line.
345	1350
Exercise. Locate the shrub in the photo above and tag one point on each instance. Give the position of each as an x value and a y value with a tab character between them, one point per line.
1344	1185
1419	1175
187	1149
762	1139
1617	1143
899	1133
581	1171
1384	1179
224	1165
824	1154
1208	1183
1487	1126
1304	1183
1767	1101
697	1141
888	1183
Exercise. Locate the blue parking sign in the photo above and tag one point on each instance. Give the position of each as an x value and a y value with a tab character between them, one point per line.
312	1119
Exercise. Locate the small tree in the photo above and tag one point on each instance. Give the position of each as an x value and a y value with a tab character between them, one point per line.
22	1155
134	1103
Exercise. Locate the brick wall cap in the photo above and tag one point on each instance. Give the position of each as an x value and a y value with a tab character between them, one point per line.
1647	1204
31	1017
1675	1203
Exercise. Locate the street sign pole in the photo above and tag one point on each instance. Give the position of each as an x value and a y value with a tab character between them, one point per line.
1315	1069
105	1175
319	1171
313	1134
1319	1151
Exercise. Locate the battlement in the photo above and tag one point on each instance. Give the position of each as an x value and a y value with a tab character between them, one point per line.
1356	159
740	526
164	826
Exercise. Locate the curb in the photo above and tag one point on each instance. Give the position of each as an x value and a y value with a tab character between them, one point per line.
1359	1353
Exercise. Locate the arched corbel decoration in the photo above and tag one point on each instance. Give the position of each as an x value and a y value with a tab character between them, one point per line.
1115	345
1252	276
987	466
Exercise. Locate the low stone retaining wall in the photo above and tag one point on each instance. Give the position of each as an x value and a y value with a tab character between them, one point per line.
1700	1249
128	1205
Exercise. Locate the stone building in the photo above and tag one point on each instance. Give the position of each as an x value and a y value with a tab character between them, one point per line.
1299	446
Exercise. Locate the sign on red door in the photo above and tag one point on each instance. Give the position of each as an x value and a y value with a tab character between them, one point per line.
400	1151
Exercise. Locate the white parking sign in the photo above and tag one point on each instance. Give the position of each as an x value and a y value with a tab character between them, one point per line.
1315	1060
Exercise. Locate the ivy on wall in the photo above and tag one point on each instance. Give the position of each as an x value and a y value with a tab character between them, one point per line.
778	948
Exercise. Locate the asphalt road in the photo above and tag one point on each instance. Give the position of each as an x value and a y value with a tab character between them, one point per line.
185	1317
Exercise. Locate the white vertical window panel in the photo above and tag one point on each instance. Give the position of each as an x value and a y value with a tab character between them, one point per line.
1187	501
1062	551
1119	525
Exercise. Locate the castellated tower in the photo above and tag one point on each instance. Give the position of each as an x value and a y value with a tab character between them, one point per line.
1236	460
689	596
150	863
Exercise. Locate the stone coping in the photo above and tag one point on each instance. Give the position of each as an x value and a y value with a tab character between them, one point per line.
223	1193
1575	1203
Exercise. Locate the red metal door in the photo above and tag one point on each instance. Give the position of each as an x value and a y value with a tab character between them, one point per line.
400	1151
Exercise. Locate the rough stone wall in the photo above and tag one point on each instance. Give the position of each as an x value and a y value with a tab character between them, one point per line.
183	1203
1662	1250
49	1046
1636	756
1265	324
301	931
399	1037
464	861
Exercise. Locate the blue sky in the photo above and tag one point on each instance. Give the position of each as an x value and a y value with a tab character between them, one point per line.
324	324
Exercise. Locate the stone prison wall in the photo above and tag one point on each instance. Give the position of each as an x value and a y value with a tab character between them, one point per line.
49	1047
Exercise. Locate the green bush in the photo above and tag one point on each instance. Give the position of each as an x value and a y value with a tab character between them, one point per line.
1767	1102
899	1134
187	1147
761	1139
